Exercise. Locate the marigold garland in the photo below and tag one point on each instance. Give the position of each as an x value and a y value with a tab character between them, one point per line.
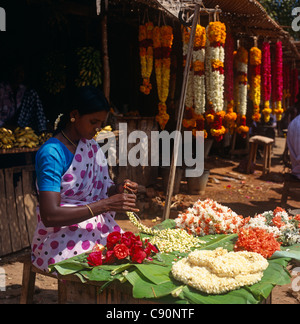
266	80
146	55
255	94
216	33
162	42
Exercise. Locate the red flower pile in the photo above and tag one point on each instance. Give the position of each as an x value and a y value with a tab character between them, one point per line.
257	240
121	247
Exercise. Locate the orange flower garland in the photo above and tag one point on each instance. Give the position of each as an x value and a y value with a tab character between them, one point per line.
162	42
146	55
255	94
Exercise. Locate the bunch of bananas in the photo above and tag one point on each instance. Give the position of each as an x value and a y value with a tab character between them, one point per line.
26	137
44	137
55	73
89	66
7	138
105	130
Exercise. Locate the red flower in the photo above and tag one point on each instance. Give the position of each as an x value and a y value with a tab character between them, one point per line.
150	248
137	254
121	251
110	257
112	239
95	259
128	239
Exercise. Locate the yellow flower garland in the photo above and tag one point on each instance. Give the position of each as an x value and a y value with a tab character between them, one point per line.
162	42
255	94
146	55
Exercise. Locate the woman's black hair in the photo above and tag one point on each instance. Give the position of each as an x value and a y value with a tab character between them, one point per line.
87	100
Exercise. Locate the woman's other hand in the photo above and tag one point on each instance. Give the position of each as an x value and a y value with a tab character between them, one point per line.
119	203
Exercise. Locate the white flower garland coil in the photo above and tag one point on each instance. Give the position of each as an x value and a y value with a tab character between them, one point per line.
219	271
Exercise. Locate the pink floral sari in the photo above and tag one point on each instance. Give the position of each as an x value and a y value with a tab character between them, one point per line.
86	181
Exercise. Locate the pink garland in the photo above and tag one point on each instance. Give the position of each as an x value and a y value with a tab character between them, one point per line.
266	80
278	81
294	86
266	72
279	72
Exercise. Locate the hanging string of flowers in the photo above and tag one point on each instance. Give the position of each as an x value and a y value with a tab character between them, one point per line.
162	42
294	86
195	98
286	85
255	94
231	116
199	70
146	55
266	80
216	34
242	88
278	81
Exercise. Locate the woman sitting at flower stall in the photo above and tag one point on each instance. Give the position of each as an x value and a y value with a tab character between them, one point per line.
77	198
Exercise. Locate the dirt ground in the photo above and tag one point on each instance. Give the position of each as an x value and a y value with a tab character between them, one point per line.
245	194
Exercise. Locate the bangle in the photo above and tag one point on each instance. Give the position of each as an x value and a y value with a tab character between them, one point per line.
90	209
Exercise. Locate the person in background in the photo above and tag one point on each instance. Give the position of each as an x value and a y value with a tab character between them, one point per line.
293	141
77	198
20	105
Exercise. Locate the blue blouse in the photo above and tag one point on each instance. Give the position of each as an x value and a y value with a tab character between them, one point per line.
52	161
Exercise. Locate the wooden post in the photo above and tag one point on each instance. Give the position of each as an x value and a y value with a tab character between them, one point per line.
106	68
180	115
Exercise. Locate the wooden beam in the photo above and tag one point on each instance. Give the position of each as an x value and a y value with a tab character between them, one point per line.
177	141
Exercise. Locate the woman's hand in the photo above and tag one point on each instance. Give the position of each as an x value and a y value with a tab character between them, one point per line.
130	186
118	203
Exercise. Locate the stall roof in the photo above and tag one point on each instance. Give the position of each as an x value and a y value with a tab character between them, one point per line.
245	17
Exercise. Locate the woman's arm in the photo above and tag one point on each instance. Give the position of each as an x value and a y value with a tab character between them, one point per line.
55	215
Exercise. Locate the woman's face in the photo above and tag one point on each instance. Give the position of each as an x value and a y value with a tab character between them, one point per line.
88	125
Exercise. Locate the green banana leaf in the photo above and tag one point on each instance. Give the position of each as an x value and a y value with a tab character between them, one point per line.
153	280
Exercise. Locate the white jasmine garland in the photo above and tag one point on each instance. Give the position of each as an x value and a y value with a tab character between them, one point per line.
217	272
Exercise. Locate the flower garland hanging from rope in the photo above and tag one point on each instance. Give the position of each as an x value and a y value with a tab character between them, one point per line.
266	80
294	86
231	116
195	96
242	88
216	34
286	85
146	55
278	81
255	93
162	42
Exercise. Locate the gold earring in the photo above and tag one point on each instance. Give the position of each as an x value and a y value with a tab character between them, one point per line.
73	120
